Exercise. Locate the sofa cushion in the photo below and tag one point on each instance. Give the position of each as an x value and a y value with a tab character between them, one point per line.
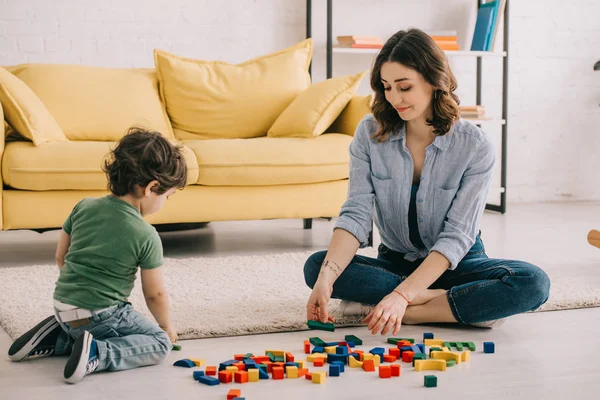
98	104
220	100
65	166
26	112
271	161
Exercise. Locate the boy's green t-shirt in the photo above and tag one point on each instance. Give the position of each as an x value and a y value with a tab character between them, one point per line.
109	240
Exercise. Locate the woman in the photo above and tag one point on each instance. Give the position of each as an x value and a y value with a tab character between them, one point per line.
428	173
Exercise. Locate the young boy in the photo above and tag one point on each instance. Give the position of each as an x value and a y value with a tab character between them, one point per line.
101	246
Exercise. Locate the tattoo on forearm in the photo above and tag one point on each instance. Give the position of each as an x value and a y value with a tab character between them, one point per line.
328	264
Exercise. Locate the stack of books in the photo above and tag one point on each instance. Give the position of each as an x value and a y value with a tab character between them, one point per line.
472	112
447	40
360	42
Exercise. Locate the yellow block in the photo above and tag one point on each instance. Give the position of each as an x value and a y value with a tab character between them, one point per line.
253	375
276	353
445	349
311	357
354	363
231	368
291	372
465	356
376	359
422	365
318	377
330	349
433	342
301	363
446	355
199	362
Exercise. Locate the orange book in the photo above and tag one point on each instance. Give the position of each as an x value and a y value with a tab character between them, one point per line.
366	46
365	38
449	46
445	38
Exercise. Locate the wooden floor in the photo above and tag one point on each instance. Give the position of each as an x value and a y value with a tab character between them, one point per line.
538	356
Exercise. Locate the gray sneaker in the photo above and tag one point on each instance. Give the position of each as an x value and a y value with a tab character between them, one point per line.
495	323
39	341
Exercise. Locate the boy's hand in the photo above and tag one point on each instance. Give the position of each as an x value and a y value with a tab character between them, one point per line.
172	332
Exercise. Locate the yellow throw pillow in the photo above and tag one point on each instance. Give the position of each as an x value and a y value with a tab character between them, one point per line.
26	113
315	109
220	100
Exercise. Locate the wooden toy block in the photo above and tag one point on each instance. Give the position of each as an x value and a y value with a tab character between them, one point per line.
368	365
239	357
233	393
211	370
427	335
241	366
319	362
185	363
393	340
308	376
330	349
301	364
434	349
341	364
176	347
418	356
389	358
446	355
318	377
405	348
354	363
278	373
198	374
352	338
351	344
394	351
334	370
417	349
209	380
407	356
489	347
337	357
377	350
343	350
226	364
306	347
292	364
433	342
269	366
385	371
248	355
422	365
315	341
450	363
319	325
459	345
373	357
263	372
279	364
314	356
240	377
291	372
253	375
395	368
430	381
445	348
225	376
276	353
421	348
289	357
408	339
232	368
318	349
465	356
329	344
260	359
302	372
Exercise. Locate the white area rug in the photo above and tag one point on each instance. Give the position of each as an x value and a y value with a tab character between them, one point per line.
224	296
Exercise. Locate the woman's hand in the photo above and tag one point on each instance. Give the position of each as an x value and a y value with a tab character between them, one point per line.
316	307
387	315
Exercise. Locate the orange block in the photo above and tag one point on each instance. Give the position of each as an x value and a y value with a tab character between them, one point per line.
389	358
369	365
239	357
233	393
241	377
385	371
225	376
395	368
269	365
240	366
404	343
306	347
289	357
407	356
319	362
394	351
302	372
260	359
308	376
211	371
278	373
279	364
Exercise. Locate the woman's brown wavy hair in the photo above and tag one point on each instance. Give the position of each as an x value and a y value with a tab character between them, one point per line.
416	50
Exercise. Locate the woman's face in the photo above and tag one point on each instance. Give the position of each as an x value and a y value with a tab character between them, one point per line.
406	90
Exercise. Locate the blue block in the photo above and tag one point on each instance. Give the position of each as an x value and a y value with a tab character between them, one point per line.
186	363
248	361
341	364
343	350
263	372
416	349
405	348
355	355
329	344
380	351
351	344
421	348
337	357
223	366
208	380
334	370
198	374
318	349
489	347
427	335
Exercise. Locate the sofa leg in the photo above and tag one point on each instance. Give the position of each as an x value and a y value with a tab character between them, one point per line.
307	223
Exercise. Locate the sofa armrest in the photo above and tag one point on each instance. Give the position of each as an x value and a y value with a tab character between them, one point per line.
2	139
357	108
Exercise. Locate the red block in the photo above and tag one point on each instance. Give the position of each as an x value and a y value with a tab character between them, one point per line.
394	351
404	343
369	365
240	366
308	376
211	371
225	376
407	356
279	364
289	357
269	365
233	393
302	372
385	371
395	369
241	377
319	362
306	347
278	373
389	359
260	359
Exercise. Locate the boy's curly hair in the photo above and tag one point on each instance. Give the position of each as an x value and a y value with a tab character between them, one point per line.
141	157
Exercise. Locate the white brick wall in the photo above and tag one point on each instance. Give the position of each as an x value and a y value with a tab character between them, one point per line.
554	117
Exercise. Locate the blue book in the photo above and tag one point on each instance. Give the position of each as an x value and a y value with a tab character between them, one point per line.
494	28
483	26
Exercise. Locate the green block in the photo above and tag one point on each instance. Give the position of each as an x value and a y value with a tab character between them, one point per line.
177	347
393	340
271	356
248	355
319	325
450	363
279	359
315	341
434	349
419	356
352	338
409	339
470	345
430	381
458	345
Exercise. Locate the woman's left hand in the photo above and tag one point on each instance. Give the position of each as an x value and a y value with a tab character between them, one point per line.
387	315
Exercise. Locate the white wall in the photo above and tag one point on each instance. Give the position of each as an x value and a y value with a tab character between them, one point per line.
554	96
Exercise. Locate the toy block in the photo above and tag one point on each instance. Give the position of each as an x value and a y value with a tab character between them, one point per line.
459	345
248	355
263	372
489	347
450	363
318	377
354	363
278	373
232	368
330	349
301	364
430	381
377	350
240	366
433	342
445	348
318	349
209	380
385	371
319	362
279	364
405	348
422	365
394	351
393	341
239	357
417	349
337	357
446	356
432	349
198	374
260	359
470	345
407	356
302	372
343	350
389	359
418	356
306	347
226	364
395	368
368	365
186	363
427	335
225	376
329	344
408	339
321	326
291	364
279	359
352	338
308	376
314	356
240	377
253	375
315	341
403	343
176	347
341	364
465	356
233	393
276	353
289	357
268	365
334	370
291	372
250	364
421	348
211	370
351	344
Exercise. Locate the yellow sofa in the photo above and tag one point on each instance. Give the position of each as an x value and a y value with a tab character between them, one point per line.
229	179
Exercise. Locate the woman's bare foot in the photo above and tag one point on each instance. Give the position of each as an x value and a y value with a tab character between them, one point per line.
426	296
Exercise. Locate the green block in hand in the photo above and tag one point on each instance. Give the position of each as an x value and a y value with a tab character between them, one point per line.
321	326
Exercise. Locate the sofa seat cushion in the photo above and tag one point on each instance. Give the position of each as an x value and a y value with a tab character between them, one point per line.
271	161
65	165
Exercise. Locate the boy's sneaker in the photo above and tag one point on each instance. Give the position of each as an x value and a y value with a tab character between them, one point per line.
39	341
83	360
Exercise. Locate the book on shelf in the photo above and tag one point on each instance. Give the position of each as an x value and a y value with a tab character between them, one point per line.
486	25
446	40
472	112
360	42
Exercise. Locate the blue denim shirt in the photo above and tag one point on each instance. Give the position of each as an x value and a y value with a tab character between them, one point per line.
455	181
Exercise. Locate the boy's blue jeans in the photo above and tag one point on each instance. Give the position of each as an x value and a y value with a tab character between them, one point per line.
125	338
479	289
